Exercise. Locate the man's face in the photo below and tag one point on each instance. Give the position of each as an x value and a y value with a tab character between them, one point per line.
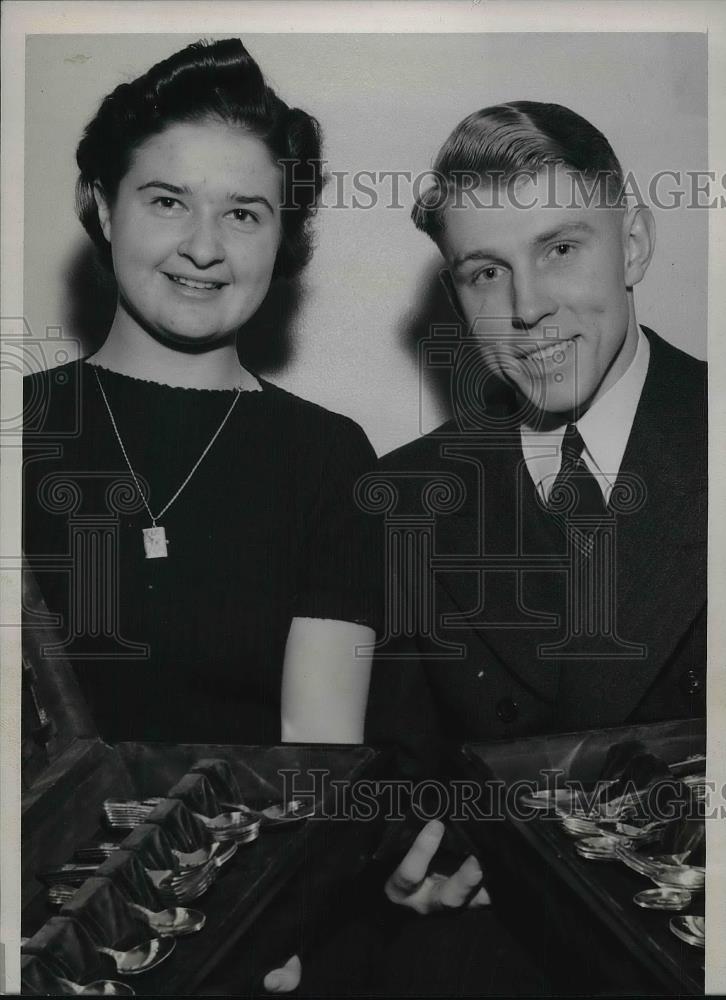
544	288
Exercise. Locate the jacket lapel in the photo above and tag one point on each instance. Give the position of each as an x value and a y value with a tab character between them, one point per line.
661	545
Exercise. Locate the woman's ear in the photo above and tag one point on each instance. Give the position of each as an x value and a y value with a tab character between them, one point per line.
104	210
638	242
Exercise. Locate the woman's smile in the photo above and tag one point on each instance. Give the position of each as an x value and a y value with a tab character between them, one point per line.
198	288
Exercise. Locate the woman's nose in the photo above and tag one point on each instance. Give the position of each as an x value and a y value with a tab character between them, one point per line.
532	302
201	244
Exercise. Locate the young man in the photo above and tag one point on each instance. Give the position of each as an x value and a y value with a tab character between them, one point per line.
547	546
568	574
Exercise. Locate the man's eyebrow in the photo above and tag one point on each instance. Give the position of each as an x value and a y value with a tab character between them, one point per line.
566	229
559	232
473	255
240	199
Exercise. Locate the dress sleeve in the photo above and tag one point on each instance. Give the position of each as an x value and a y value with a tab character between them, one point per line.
340	573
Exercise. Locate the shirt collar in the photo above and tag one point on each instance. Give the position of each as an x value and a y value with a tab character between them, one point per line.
605	428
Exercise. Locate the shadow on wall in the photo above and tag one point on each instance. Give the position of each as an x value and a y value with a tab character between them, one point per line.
91	298
265	345
267	342
433	310
457	379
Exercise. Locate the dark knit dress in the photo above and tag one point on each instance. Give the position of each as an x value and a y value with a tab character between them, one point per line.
190	647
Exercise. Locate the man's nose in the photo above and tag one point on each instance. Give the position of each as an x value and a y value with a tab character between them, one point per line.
532	302
201	243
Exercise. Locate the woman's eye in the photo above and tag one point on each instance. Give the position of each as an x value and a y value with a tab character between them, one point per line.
243	215
166	203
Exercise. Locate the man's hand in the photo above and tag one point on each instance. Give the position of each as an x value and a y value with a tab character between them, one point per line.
410	886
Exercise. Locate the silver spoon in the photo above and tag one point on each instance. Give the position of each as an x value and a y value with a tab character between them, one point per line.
142	957
101	988
242	827
196	859
295	811
172	922
663	898
224	854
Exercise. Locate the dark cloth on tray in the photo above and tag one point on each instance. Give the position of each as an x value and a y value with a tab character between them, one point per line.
184	831
37	979
66	948
197	794
190	648
106	914
152	846
126	871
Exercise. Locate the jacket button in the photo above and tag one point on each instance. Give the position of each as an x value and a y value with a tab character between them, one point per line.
507	710
690	683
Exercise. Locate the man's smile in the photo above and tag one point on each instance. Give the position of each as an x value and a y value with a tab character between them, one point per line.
553	352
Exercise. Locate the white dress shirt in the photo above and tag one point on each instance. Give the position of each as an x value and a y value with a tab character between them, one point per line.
605	429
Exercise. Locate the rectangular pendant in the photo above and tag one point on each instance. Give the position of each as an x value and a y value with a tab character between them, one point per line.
155	542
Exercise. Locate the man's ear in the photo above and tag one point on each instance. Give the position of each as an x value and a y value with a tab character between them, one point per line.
104	210
448	282
638	242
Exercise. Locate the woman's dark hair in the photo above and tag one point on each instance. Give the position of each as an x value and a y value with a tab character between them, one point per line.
522	137
207	80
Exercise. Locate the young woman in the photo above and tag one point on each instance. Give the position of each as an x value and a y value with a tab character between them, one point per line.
192	526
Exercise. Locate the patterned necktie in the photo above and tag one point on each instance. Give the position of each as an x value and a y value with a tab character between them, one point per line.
575	482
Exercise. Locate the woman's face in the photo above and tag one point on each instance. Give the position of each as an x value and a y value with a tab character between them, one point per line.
194	232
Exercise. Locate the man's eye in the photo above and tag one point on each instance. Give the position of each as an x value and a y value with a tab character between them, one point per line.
485	275
562	249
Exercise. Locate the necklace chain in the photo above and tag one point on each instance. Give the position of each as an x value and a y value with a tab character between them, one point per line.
194	468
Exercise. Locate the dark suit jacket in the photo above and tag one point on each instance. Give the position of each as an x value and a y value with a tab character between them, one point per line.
506	656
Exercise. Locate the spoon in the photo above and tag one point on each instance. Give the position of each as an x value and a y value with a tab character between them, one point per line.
195	859
101	988
242	827
172	922
663	898
224	854
691	929
182	888
295	811
670	876
202	858
144	956
224	819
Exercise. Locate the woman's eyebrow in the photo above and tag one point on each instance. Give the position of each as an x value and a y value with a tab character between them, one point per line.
245	199
165	186
241	199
